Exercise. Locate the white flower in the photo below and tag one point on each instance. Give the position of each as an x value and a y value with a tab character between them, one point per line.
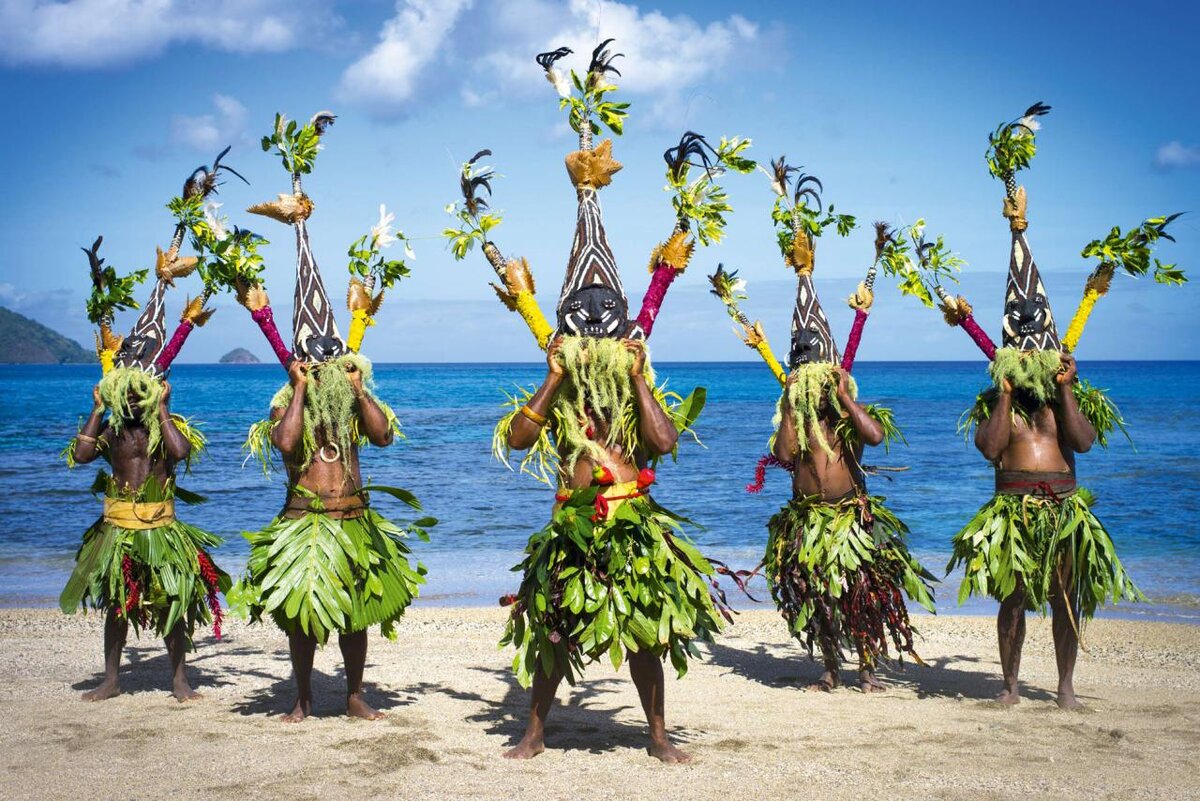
215	224
738	286
408	251
381	233
775	185
1030	125
560	82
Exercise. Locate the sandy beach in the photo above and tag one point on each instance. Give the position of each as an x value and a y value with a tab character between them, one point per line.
452	708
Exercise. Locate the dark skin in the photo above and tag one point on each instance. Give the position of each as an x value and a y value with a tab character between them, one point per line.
128	454
332	481
1048	442
658	437
830	477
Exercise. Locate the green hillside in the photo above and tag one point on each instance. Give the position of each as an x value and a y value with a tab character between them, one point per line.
29	342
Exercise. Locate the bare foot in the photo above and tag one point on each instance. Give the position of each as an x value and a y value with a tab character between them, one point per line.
1067	700
302	710
184	692
827	683
356	707
528	748
868	682
664	751
106	690
1009	697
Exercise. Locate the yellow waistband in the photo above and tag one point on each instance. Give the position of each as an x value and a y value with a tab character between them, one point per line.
137	515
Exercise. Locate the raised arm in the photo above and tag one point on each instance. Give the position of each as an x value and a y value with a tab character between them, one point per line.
868	428
527	426
655	426
993	434
374	420
88	441
786	442
288	432
1075	429
175	443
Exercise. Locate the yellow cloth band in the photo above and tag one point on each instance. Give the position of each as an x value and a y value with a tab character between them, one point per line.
138	515
611	491
106	360
764	349
533	416
1075	329
531	313
359	320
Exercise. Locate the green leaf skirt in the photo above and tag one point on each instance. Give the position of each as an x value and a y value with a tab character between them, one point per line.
630	582
1026	542
318	574
154	578
837	569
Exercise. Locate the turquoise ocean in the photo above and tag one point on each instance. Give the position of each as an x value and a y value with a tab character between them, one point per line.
1148	491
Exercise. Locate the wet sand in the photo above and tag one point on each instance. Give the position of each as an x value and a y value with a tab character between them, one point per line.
452	707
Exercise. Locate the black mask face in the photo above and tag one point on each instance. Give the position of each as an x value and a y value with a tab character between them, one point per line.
806	348
1026	316
323	349
133	349
594	311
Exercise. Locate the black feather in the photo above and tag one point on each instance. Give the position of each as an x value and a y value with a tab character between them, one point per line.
322	121
803	190
602	59
546	60
1038	109
782	172
95	263
691	146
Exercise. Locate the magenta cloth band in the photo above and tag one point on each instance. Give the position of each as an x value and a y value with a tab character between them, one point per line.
266	322
174	346
979	336
664	274
860	320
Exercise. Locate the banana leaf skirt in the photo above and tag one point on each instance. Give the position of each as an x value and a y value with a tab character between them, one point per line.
837	571
612	572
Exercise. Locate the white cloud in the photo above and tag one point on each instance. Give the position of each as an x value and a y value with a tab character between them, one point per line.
211	132
431	47
1176	155
102	33
409	44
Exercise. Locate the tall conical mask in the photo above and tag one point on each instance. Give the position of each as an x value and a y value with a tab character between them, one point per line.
148	337
315	334
812	339
592	302
1028	320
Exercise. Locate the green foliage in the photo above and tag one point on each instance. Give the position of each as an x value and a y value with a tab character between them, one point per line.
474	219
1023	538
812	220
1012	146
230	258
366	257
297	145
588	103
1131	251
1094	404
811	395
936	263
187	212
113	293
848	434
701	201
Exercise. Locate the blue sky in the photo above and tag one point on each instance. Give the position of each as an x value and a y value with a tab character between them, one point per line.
111	103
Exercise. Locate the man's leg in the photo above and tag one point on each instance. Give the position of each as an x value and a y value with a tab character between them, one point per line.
302	648
1066	638
177	649
533	743
868	682
647	672
116	629
1010	628
354	656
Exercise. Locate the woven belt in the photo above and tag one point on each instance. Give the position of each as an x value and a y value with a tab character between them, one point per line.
1041	484
341	507
137	514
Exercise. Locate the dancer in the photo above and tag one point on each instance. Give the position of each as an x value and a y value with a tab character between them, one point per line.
836	559
329	562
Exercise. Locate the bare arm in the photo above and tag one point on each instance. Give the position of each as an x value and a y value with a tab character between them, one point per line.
524	432
868	428
174	442
87	442
374	419
288	432
1075	429
786	442
655	426
993	434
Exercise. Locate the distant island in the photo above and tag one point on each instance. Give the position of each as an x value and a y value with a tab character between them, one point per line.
29	342
239	356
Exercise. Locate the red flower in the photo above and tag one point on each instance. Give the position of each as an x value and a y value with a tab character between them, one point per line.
645	477
208	572
603	476
563	495
508	600
132	591
591	432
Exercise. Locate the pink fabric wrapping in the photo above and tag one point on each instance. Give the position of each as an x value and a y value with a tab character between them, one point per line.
660	282
860	320
163	362
266	322
980	336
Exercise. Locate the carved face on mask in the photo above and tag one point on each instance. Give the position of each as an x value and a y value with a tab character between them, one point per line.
1026	317
807	347
323	348
134	349
594	311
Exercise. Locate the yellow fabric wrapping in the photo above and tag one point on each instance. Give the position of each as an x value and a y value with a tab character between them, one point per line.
1075	329
611	491
764	349
531	313
359	320
137	515
106	359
